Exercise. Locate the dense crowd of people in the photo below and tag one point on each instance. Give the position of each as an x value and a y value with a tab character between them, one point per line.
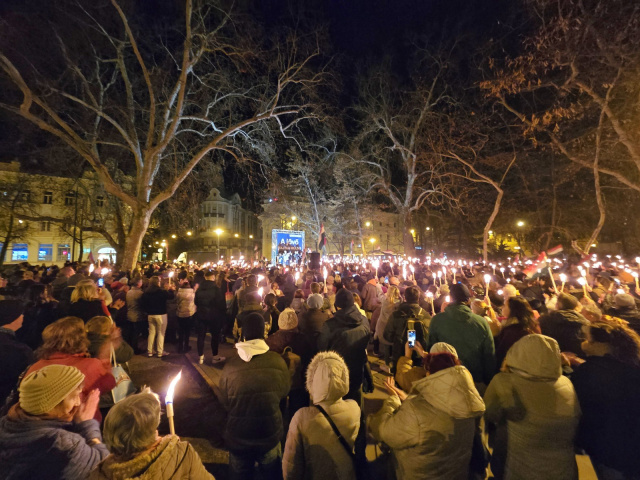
508	373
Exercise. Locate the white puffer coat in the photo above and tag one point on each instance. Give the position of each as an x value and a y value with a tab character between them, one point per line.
312	450
431	432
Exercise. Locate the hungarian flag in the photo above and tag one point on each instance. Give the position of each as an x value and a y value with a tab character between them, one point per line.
322	241
555	250
538	264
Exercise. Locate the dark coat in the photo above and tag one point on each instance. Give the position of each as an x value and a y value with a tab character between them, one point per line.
87	309
470	335
43	449
311	322
15	357
36	318
251	393
299	344
506	338
209	300
565	326
609	395
154	300
347	333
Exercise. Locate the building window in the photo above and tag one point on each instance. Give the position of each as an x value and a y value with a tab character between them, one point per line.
69	198
99	201
26	195
45	226
19	252
64	252
45	252
48	198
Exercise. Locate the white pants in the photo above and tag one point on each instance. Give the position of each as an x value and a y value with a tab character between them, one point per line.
157	326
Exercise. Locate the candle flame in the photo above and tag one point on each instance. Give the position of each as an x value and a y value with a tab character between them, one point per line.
260	290
563	277
487	278
91	268
172	387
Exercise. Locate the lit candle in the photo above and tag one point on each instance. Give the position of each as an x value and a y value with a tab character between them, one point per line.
563	279
104	271
261	291
170	274
324	273
430	297
635	275
454	274
582	281
91	268
487	279
168	400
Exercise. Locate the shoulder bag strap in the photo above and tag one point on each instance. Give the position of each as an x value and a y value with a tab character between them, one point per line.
343	441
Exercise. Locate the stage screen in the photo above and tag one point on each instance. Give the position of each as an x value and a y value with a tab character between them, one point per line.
287	247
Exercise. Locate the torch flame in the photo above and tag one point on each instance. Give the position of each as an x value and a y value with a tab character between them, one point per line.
487	278
172	387
91	268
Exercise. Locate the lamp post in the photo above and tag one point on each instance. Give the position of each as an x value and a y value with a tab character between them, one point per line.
218	232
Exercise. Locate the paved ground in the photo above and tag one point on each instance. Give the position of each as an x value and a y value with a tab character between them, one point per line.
199	417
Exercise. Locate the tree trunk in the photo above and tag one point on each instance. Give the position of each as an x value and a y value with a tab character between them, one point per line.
139	225
7	239
407	238
487	227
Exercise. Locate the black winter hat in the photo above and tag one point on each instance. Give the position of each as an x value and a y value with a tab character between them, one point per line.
344	298
253	326
460	293
9	311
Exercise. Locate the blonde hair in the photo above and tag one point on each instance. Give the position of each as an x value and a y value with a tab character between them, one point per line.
393	294
100	325
66	335
85	290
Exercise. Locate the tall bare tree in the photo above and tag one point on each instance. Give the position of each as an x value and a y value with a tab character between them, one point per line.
160	111
575	91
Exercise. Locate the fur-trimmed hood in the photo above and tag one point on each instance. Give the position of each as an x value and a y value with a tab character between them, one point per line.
327	378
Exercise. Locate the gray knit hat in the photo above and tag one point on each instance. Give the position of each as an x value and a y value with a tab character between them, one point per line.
42	390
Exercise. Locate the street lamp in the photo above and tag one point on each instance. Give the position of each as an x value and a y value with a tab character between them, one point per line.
520	223
174	236
373	241
189	233
218	232
368	224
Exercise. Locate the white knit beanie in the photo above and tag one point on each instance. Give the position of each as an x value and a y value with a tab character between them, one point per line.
288	320
42	390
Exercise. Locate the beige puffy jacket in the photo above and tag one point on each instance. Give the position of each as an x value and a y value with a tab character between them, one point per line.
170	460
537	412
431	432
312	450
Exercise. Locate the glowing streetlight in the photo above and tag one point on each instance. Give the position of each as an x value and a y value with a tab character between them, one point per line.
520	223
428	228
250	236
367	224
218	232
372	240
189	233
236	235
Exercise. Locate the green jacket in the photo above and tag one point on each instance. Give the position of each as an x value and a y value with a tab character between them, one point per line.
470	335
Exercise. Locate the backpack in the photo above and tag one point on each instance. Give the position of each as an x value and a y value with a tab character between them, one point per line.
294	364
414	322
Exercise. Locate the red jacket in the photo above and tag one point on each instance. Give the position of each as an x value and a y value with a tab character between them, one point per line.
97	374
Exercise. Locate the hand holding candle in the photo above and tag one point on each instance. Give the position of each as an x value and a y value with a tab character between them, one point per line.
168	400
